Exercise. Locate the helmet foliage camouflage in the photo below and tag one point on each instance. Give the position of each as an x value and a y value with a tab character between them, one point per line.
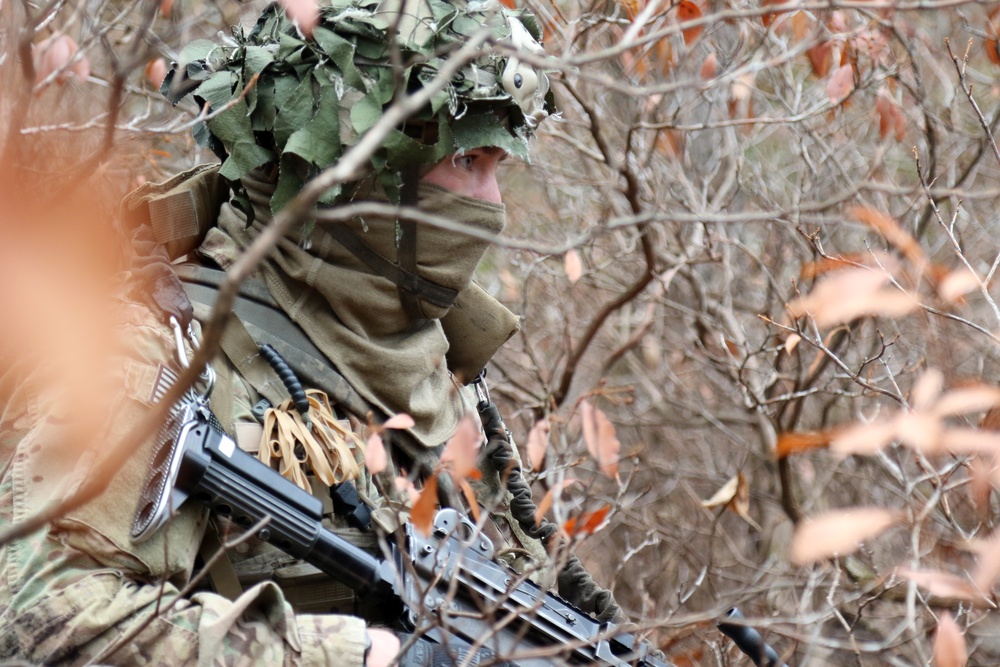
299	102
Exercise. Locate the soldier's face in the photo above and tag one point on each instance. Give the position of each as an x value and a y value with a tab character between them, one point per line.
472	174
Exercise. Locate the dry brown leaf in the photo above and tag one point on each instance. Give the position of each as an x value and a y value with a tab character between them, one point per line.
921	432
941	584
56	53
981	486
399	422
792	341
821	57
849	294
463	448
802	441
741	501
838	532
890	231
600	438
864	439
840	84
376	459
957	284
949	643
689	11
538	443
709	67
988	565
927	389
971	441
574	265
724	495
550	496
423	511
965	400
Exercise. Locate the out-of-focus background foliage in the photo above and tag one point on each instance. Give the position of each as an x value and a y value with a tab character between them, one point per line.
756	248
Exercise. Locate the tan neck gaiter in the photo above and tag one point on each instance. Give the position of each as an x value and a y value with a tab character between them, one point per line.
356	318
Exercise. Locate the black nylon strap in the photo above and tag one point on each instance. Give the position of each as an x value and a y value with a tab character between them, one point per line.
407	281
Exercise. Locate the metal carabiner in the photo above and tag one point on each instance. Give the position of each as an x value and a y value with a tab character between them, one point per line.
208	376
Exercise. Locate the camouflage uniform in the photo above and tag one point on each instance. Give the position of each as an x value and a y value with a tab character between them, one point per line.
69	592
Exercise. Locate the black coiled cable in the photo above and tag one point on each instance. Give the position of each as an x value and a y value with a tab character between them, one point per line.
289	379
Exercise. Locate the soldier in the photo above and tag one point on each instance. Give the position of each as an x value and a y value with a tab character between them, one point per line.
375	315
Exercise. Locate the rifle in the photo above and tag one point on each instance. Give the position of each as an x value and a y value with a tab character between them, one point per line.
447	577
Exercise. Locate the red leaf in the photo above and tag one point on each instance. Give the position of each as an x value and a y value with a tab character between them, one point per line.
165	7
422	514
841	84
586	523
820	57
689	11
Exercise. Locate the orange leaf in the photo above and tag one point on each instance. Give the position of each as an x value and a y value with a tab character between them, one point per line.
399	422
890	118
376	459
463	448
574	265
631	7
550	497
838	532
156	71
768	17
165	7
599	436
538	443
54	54
803	441
586	523
949	643
303	12
422	514
470	498
840	84
988	566
791	343
967	399
890	231
741	501
689	11
849	294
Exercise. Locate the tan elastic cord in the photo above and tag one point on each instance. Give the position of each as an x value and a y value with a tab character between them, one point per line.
331	450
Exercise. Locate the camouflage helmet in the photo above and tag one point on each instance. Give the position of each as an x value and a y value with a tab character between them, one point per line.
300	101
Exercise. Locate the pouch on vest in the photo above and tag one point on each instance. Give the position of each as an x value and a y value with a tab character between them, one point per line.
180	210
476	326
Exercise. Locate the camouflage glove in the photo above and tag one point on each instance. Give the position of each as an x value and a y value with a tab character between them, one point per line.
424	653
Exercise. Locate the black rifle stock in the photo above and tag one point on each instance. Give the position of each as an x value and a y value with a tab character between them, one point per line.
447	577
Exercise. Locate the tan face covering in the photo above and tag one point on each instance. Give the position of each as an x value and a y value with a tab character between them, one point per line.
355	317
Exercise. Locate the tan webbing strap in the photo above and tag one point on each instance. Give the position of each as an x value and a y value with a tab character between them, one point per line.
221	572
243	351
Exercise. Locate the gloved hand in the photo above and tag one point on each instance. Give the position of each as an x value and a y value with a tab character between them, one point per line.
425	653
